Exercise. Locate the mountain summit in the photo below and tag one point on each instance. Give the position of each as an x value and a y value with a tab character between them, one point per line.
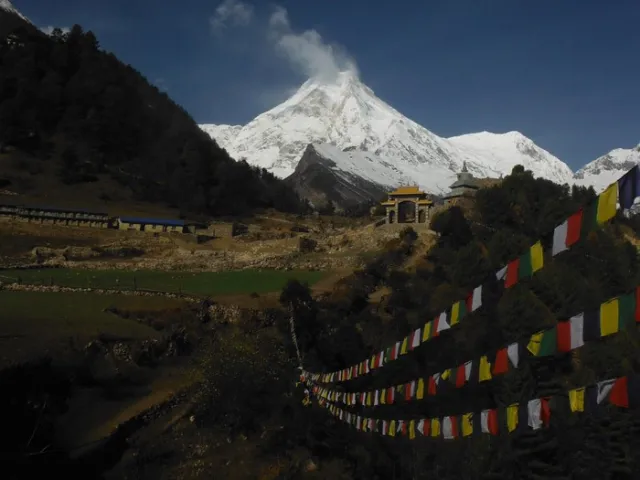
608	168
345	113
7	6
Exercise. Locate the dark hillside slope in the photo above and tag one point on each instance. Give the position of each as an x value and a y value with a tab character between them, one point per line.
77	115
9	22
506	219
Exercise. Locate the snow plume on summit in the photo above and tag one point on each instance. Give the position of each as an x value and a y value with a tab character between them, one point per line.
307	52
335	111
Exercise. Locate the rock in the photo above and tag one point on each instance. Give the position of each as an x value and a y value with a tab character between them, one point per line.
310	466
122	352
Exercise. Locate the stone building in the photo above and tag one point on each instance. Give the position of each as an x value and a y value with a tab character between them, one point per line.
155	225
407	205
462	189
56	216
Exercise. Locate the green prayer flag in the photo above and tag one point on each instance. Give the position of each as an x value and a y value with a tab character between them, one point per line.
548	345
543	343
626	310
524	266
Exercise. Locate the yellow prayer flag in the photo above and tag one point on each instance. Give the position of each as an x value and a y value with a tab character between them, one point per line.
512	417
392	428
534	344
537	257
412	429
405	344
576	399
420	389
383	396
426	331
455	313
446	374
467	425
435	427
484	370
609	317
607	204
369	401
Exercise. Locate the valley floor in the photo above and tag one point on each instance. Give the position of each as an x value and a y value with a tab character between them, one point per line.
127	321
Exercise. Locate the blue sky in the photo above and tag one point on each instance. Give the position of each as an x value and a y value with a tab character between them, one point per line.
565	73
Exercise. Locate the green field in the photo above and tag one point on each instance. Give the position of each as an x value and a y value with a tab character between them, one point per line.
33	323
205	283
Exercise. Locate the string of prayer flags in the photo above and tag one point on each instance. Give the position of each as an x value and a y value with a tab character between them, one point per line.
598	212
612	316
623	392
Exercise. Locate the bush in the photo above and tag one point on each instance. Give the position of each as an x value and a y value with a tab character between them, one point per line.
306	245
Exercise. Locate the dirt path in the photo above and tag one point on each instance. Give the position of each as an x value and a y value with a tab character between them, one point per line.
326	284
91	418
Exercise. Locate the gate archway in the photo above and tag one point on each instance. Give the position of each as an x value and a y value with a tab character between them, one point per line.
407	212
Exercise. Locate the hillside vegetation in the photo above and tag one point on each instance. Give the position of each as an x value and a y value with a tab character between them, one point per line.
71	111
507	219
246	419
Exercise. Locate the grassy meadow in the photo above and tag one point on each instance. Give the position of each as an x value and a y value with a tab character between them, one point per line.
202	283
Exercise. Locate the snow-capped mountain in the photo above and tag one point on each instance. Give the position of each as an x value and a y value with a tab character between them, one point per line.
327	174
605	170
346	113
7	6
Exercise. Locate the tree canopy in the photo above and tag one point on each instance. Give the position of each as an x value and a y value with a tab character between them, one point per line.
66	101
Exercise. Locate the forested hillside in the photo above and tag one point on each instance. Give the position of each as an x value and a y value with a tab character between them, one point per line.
508	218
69	105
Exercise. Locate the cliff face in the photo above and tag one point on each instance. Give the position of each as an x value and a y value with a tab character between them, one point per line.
318	179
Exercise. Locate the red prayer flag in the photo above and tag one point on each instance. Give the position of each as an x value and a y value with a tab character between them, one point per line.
454	426
502	362
574	224
512	273
404	428
461	376
426	426
407	392
619	393
563	336
469	301
493	421
434	327
431	388
545	411
390	395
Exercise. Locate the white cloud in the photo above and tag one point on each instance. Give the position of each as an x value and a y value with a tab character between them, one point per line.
231	13
307	52
161	83
49	29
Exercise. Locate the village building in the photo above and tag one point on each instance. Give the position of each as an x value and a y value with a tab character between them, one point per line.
56	216
407	205
157	225
463	189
